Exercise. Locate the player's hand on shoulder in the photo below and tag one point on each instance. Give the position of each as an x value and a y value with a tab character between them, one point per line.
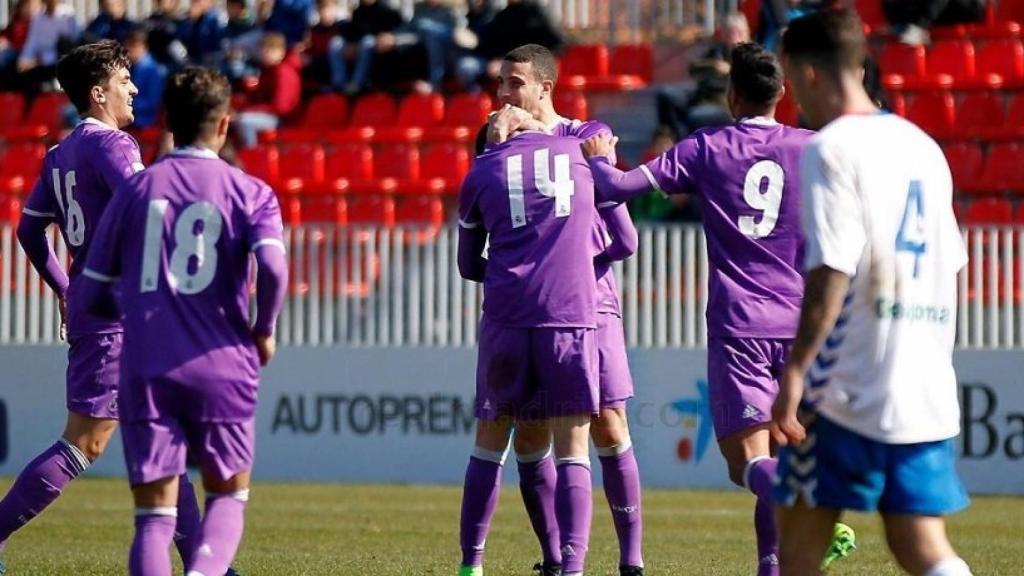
502	123
266	346
599	145
786	427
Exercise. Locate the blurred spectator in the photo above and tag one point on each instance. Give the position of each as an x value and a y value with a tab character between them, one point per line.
241	41
148	75
469	64
278	93
288	17
201	32
911	19
520	22
705	106
111	23
162	26
53	31
13	37
326	66
371	32
435	23
240	20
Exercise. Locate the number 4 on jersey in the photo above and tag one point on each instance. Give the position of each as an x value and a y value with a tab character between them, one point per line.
911	237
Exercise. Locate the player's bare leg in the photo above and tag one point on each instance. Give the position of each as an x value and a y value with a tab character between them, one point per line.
481	489
156	514
921	546
573	490
610	432
537	479
749	457
804	536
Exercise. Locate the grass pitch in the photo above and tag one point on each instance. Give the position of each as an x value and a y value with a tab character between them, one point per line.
294	529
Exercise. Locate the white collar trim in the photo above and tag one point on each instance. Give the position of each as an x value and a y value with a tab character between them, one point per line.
195	152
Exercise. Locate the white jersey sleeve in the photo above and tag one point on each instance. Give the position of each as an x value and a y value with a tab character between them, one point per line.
832	213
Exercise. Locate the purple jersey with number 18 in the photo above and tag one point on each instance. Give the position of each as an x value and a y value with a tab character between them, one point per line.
534	195
747	176
179	235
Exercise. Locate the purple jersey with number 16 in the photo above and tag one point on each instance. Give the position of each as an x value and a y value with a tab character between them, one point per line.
78	179
748	179
185	229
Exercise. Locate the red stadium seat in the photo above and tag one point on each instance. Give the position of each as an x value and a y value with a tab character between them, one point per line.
953	57
12	109
24	133
416	113
48	109
465	114
302	165
585	60
324	207
965	162
447	162
1002	169
326	112
980	113
1003	57
261	162
399	161
23	159
989	211
424	215
353	161
371	113
633	60
897	103
571	104
371	210
907	61
787	111
933	112
871	13
1010	10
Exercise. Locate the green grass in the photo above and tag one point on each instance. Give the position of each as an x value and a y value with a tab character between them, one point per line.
411	531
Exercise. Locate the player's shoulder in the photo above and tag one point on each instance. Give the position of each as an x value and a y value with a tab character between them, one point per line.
584	128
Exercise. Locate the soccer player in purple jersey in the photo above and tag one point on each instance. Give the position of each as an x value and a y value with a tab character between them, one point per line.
526	83
178	238
747	177
78	178
531	198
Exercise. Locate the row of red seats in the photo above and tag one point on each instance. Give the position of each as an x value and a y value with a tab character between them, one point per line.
953	63
990	212
978	115
975	172
1001	15
354	167
21	122
595	67
427	212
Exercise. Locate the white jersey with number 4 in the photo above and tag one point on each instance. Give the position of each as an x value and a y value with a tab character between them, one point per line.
878	208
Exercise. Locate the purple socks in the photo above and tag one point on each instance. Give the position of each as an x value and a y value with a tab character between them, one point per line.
39	484
220	534
150	553
759	478
622	490
537	478
187	528
574	507
479	500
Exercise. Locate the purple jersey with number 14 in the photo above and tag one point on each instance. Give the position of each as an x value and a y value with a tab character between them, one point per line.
78	179
748	179
534	196
185	229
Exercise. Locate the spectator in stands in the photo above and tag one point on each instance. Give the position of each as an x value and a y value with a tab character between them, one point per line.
201	32
705	106
435	22
240	35
112	23
162	26
911	19
53	31
469	64
13	37
278	93
370	34
148	75
520	22
288	17
326	65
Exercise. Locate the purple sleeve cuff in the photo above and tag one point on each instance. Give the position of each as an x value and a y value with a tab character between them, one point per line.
271	286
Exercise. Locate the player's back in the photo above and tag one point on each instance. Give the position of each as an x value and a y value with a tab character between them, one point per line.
886	370
747	177
534	196
78	179
191	222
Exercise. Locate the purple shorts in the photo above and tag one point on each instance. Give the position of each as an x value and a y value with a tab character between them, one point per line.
743	377
156	449
616	381
94	363
536	373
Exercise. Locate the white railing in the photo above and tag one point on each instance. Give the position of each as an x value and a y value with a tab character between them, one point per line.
401	287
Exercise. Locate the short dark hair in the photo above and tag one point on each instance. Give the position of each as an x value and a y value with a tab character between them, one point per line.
544	67
831	39
87	66
755	74
195	99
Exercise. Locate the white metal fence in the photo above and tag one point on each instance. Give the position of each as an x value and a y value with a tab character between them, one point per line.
401	287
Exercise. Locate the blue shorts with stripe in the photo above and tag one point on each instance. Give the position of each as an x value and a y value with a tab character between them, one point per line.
837	468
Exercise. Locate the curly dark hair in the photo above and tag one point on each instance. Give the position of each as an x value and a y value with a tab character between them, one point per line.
87	66
195	99
755	74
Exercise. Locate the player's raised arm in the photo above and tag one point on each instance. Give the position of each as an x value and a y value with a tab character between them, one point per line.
36	217
668	173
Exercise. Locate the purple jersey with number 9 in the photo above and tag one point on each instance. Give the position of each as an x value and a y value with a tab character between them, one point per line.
534	195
